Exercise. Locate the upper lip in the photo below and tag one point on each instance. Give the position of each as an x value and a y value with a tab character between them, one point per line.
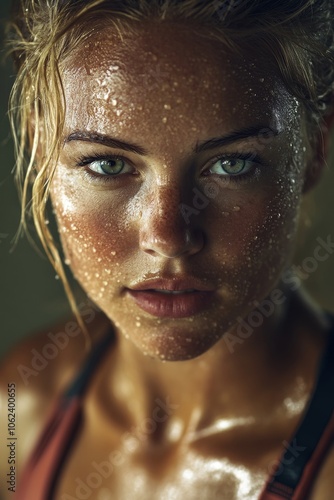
172	283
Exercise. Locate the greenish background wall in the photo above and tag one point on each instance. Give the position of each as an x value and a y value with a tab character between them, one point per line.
31	298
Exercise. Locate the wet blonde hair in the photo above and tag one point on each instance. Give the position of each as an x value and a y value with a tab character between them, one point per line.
297	36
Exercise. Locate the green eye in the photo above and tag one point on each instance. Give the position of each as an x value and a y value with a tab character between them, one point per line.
232	166
107	167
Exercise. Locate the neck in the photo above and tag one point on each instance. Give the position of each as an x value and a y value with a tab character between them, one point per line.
221	385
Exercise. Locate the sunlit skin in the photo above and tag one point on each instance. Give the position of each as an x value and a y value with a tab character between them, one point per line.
169	90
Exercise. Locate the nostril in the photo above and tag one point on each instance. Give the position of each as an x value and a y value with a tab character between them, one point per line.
171	244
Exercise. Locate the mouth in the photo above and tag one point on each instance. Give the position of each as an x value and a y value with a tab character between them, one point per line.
171	298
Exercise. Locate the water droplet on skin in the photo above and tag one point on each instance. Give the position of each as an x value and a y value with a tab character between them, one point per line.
107	271
67	262
47	221
114	102
94	249
138	324
164	120
113	253
119	112
167	106
236	209
97	275
105	283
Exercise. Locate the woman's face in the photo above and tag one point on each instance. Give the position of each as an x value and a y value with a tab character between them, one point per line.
182	169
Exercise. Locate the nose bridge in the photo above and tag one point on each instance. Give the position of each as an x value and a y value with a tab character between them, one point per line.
163	209
164	230
168	199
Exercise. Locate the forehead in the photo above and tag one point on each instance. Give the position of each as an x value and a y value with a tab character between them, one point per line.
155	74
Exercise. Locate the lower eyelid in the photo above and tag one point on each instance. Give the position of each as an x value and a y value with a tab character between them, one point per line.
95	177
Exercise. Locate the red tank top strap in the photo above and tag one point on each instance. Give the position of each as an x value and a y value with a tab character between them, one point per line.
274	490
299	464
40	475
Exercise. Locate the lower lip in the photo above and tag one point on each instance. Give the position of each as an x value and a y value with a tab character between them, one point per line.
164	305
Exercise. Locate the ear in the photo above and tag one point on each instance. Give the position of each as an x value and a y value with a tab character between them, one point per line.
321	149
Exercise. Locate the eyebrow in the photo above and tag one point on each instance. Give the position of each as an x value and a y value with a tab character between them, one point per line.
106	140
263	132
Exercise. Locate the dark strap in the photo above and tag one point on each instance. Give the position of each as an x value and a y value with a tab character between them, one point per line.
305	440
81	381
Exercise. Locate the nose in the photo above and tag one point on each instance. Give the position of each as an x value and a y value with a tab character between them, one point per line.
164	231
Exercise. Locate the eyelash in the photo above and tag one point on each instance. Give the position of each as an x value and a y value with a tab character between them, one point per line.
238	178
84	161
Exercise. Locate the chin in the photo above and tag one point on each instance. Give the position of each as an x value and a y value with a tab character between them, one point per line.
175	343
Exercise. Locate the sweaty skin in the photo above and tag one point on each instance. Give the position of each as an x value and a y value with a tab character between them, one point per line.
231	404
167	97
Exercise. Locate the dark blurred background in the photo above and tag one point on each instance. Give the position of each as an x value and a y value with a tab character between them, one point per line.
30	296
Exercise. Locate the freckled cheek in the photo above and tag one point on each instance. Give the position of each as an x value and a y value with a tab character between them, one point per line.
97	240
255	241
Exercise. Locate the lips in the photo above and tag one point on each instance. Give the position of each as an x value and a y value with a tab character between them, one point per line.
171	297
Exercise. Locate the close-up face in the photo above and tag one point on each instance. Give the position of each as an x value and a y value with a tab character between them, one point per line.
181	169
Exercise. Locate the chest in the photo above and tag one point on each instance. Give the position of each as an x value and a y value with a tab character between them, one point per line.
106	469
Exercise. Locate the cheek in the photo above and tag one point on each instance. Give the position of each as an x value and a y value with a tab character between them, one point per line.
252	237
95	236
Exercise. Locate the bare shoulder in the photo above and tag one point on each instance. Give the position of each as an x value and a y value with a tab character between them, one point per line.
324	485
32	374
